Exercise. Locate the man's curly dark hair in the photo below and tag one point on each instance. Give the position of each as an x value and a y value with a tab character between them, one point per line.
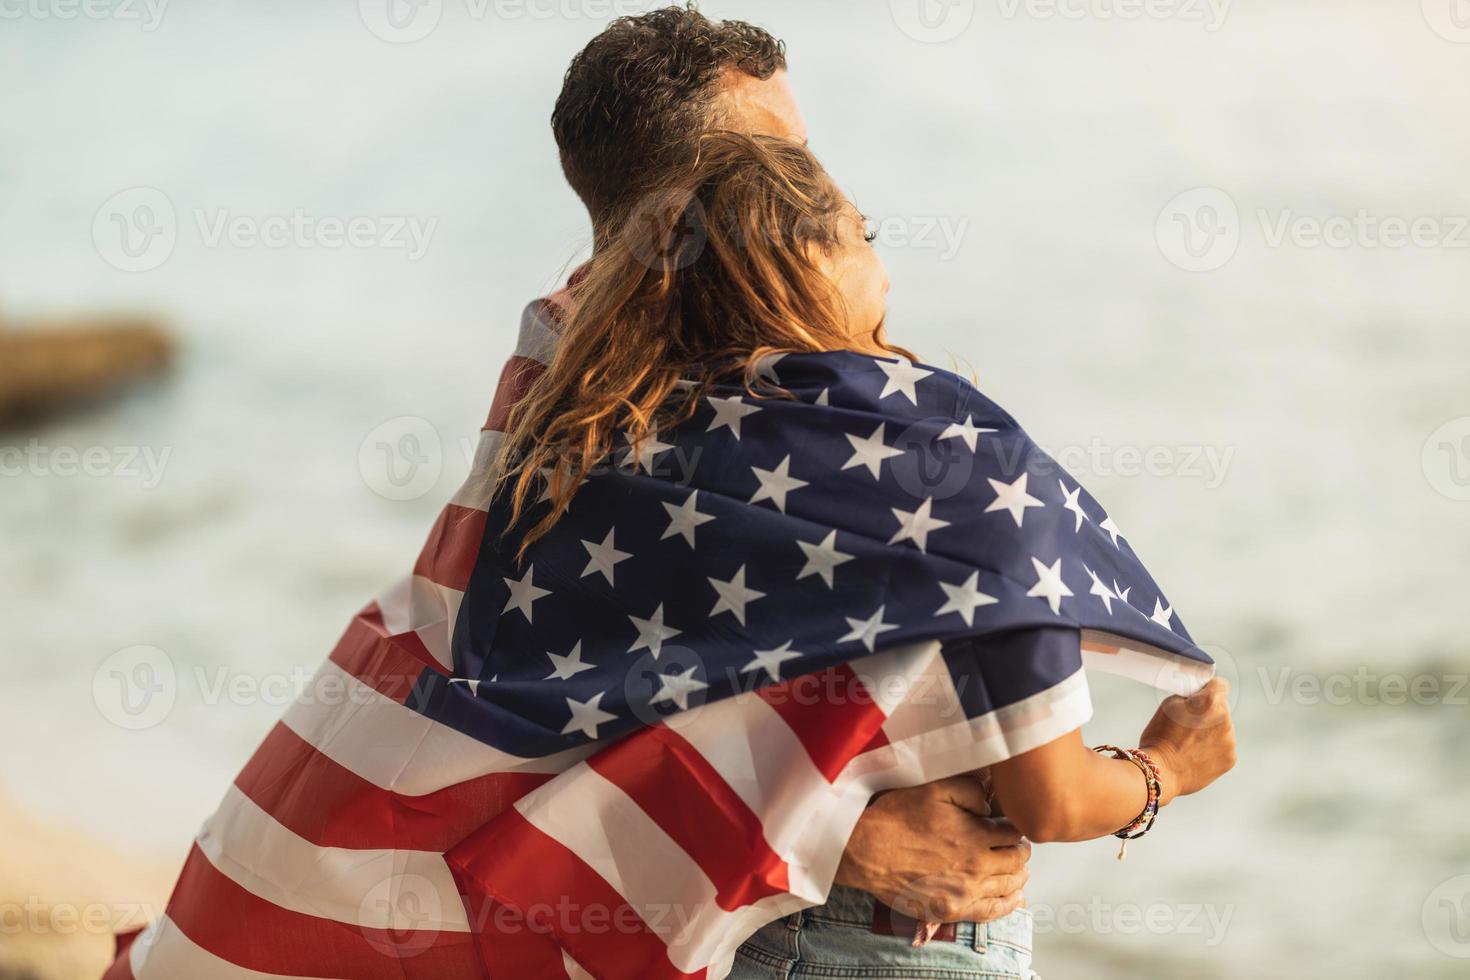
636	98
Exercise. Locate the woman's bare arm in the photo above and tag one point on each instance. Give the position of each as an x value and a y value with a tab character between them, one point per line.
1063	791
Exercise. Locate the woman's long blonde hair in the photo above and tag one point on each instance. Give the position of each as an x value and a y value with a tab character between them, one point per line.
715	271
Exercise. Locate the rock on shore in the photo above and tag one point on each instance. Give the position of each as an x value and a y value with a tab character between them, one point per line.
68	361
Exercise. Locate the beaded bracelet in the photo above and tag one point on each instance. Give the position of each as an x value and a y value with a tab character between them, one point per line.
1144	822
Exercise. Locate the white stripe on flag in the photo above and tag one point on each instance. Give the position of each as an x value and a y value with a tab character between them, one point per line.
898	676
443	608
538	336
1157	668
393	746
574	970
372	889
475	493
951	749
396	604
930	700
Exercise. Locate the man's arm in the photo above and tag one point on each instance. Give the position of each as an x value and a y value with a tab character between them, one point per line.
932	853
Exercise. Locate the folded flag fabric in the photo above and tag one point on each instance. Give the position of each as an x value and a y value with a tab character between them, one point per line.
623	755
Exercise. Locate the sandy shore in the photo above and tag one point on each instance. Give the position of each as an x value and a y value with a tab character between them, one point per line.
62	896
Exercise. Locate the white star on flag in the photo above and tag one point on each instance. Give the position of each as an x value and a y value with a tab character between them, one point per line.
766	369
684	519
603	557
822	559
729	412
569	666
1012	497
902	376
964	599
586	716
916	526
652	632
964	430
1121	593
824	397
1074	503
1163	615
733	595
771	660
523	593
1108	526
1049	584
1100	590
870	452
646	450
469	682
776	484
546	474
867	630
677	688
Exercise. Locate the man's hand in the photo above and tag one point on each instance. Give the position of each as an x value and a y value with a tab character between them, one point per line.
933	854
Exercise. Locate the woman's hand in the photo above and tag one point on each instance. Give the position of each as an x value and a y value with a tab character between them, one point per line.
1192	740
931	853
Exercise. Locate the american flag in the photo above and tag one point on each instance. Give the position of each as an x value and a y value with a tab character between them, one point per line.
621	757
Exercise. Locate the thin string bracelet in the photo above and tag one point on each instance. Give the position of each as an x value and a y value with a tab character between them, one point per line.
1144	822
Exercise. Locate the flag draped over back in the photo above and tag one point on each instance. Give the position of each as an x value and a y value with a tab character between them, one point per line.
621	756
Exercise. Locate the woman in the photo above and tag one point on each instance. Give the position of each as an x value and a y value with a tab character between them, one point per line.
741	298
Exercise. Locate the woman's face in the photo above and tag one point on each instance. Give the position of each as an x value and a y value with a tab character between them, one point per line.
859	278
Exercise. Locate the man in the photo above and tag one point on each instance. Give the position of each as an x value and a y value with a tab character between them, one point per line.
632	106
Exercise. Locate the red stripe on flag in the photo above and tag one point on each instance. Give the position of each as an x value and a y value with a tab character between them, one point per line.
410	643
516	379
449	555
832	713
243	929
390	665
879	739
508	949
331	806
512	862
691	802
122	965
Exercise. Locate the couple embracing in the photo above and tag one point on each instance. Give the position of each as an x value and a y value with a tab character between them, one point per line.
705	672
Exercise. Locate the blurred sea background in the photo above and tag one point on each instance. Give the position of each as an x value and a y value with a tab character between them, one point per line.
1326	545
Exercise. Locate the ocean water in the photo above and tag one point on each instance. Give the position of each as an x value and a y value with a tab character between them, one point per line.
1109	217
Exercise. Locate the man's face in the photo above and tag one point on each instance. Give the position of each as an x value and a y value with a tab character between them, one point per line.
763	107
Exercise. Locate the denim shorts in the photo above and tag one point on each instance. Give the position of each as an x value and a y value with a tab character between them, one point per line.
836	940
